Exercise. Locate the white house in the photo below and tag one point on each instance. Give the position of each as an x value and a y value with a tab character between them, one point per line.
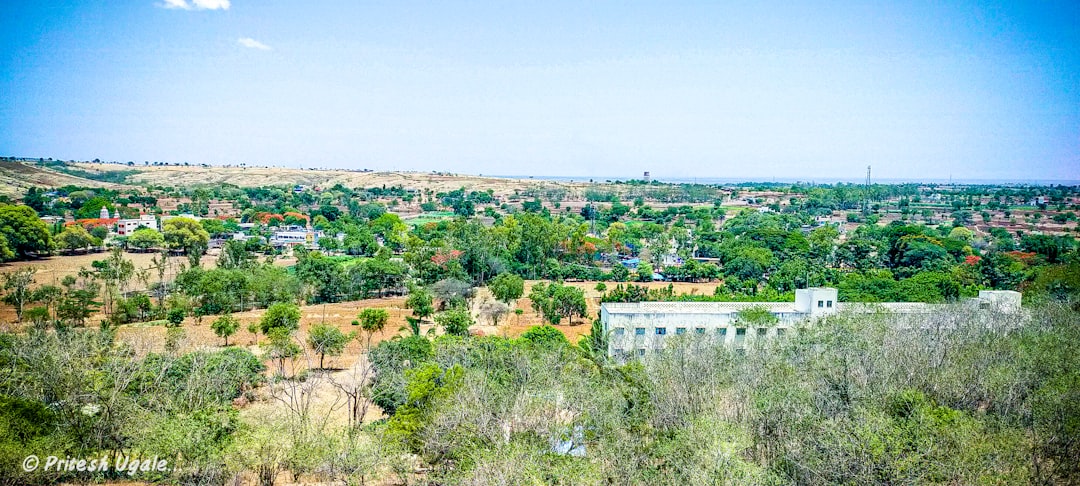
635	329
125	227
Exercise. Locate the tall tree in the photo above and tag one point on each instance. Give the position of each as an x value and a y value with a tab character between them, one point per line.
17	292
26	234
326	339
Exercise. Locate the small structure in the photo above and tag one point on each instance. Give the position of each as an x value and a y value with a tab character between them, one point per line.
125	227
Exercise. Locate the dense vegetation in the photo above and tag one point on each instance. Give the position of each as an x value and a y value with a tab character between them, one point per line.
949	398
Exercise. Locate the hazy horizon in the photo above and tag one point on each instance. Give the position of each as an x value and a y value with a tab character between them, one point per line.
920	91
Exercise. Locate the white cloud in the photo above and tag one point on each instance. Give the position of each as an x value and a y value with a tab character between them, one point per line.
180	4
211	4
252	43
196	4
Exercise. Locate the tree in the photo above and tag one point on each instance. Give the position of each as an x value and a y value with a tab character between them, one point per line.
280	315
420	301
225	326
235	254
78	302
556	301
452	292
176	316
26	234
185	234
326	339
74	238
544	336
494	311
146	239
281	346
377	274
372	321
455	322
620	273
507	287
17	291
644	272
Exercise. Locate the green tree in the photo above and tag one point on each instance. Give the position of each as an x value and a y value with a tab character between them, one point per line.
421	302
26	234
556	301
225	326
507	287
17	292
372	321
75	238
175	316
326	339
544	336
144	239
644	272
455	322
281	346
185	234
281	315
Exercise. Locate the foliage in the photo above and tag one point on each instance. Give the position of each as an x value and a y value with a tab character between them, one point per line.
326	339
23	234
420	301
546	336
373	321
225	326
185	234
280	315
556	301
146	239
507	287
455	322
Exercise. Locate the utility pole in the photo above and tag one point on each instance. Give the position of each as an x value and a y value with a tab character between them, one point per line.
866	194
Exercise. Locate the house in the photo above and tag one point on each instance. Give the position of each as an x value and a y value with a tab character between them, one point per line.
638	328
125	227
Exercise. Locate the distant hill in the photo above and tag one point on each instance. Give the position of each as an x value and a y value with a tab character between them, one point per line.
184	176
16	177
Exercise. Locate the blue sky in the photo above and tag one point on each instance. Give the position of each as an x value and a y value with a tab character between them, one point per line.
814	90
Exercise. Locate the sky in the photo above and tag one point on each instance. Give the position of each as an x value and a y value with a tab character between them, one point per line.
757	90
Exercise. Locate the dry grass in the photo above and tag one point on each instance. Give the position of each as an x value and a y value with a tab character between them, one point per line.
17	177
179	176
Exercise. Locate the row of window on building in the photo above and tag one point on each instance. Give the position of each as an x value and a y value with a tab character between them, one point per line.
721	334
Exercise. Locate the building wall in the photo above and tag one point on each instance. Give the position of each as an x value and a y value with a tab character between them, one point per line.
635	334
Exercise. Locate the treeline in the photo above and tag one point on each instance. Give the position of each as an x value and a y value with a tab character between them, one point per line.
957	397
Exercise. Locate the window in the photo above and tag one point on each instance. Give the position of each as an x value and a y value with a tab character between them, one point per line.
828	304
680	331
700	330
780	331
639	331
722	332
821	303
641	352
740	334
619	331
660	331
762	331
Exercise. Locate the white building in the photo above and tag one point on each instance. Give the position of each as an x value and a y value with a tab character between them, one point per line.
635	329
125	227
